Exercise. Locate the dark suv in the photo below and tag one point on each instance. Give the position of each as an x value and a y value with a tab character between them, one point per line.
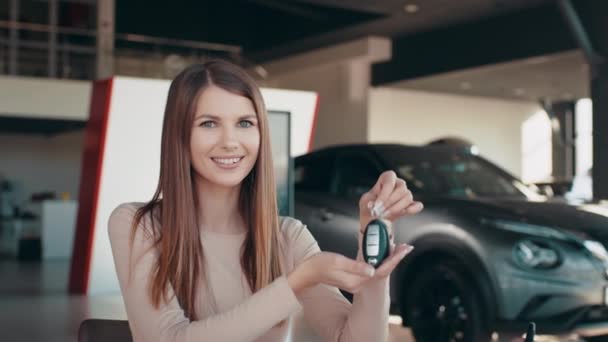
491	253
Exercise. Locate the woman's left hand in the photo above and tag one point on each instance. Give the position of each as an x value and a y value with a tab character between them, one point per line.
391	195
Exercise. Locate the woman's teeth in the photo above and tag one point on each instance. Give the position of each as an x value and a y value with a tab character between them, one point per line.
227	161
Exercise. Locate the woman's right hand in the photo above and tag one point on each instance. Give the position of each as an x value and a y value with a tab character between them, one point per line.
330	269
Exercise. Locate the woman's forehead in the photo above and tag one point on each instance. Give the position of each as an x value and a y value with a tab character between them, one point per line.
218	102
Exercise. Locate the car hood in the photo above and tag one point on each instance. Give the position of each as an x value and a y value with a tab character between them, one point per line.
589	219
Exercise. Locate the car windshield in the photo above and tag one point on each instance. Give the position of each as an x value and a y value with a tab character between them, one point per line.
456	174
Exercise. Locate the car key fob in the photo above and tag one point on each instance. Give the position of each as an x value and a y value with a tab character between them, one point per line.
376	244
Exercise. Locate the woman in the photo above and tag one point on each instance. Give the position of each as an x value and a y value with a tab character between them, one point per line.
209	259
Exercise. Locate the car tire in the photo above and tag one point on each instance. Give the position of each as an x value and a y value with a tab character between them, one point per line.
441	304
602	338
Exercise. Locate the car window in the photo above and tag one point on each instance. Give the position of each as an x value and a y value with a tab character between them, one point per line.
356	174
455	175
313	174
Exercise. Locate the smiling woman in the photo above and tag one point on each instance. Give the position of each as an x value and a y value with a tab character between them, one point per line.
209	257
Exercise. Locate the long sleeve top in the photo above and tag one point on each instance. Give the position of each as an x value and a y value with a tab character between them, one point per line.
227	308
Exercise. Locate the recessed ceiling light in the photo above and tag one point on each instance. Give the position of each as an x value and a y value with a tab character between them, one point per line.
519	91
410	8
465	86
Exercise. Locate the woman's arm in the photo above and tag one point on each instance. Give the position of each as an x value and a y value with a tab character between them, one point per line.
367	319
326	310
247	321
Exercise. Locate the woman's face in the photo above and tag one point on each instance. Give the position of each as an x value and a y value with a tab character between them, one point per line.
225	137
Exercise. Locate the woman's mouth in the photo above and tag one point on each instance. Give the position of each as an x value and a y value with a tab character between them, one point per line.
227	163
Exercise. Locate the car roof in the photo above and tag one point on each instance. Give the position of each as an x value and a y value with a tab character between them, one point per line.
384	147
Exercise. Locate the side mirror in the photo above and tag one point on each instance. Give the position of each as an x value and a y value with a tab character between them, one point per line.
542	189
547	190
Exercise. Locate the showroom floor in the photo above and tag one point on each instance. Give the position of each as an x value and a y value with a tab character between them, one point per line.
36	308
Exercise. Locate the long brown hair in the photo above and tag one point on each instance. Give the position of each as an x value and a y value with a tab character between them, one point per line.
180	262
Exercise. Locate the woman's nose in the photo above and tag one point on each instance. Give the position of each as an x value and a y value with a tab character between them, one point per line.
229	139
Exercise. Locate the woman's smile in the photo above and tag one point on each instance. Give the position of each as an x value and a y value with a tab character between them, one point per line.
227	162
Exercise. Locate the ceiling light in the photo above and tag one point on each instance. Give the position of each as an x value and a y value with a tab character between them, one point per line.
410	8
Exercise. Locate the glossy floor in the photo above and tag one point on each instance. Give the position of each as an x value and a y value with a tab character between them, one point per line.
34	307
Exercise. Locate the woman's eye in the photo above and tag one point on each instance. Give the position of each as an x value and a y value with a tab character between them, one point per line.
246	124
208	124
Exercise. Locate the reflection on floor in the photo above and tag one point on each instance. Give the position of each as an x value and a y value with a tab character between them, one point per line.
34	307
48	277
55	318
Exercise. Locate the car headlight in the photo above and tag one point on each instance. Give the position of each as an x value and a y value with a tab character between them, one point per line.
597	249
535	254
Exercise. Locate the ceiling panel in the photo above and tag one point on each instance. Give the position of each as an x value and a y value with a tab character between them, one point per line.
562	76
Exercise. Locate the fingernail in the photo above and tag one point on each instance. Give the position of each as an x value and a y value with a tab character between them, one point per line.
377	204
407	250
378	208
370	205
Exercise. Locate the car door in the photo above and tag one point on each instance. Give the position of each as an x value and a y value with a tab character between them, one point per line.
355	173
313	176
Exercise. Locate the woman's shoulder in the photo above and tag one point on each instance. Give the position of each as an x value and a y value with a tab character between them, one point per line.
121	218
294	230
290	224
300	241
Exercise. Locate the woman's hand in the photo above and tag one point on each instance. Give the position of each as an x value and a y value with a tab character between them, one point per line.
390	196
330	269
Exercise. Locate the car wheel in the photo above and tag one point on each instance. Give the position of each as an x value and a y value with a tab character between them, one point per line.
441	304
603	338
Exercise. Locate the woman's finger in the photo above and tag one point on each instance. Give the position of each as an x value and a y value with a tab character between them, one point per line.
414	208
353	266
400	191
398	208
389	264
387	184
349	282
367	201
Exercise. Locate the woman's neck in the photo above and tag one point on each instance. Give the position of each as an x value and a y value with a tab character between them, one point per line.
218	208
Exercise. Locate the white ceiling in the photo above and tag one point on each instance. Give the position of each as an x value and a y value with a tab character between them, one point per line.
562	76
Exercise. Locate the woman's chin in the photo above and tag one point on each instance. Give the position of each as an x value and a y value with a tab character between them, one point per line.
226	181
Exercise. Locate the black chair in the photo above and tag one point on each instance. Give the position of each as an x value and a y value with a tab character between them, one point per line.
104	330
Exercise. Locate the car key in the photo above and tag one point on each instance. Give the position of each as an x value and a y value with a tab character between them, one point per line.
375	242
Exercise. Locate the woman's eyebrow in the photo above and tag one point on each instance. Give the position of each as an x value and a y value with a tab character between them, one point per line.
215	117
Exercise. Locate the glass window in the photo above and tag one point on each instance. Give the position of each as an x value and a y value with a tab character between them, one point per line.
447	173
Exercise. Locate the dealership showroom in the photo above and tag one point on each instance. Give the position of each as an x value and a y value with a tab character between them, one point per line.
436	170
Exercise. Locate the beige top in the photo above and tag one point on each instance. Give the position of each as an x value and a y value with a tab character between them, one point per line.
234	313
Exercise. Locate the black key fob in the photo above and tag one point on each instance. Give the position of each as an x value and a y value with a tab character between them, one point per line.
376	244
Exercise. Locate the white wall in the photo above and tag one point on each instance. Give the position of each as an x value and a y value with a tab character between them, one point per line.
44	98
342	109
416	117
341	75
38	163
